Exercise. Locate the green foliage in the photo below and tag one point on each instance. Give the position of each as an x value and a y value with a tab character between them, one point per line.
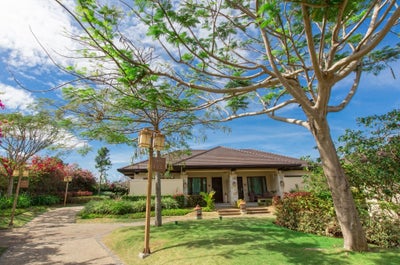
108	207
371	158
180	199
307	212
24	201
121	207
209	199
193	200
175	212
45	200
383	230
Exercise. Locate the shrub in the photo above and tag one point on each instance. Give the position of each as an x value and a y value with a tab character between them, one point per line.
105	207
169	203
6	202
24	201
208	198
180	198
140	206
383	231
121	207
45	200
175	212
193	200
306	212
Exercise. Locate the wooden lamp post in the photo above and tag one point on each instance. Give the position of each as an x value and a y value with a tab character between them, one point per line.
150	139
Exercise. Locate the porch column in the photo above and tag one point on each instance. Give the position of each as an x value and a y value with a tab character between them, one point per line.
281	183
184	177
233	191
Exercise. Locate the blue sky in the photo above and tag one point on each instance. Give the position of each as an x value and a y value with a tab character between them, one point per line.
21	56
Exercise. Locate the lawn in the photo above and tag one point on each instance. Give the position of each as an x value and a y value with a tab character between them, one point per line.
22	216
237	241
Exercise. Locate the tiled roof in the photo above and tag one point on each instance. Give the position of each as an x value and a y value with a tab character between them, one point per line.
222	157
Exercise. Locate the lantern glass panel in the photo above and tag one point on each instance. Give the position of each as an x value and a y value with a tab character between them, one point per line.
145	138
159	142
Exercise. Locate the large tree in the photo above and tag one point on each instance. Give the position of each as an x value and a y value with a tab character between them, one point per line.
292	55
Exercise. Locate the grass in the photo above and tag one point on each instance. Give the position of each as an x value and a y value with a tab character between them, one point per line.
21	217
237	241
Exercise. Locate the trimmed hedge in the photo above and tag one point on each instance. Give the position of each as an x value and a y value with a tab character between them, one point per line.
121	207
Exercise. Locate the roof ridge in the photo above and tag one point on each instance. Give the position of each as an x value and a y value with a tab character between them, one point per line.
258	152
192	156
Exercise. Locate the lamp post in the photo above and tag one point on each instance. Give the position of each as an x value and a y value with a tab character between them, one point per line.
151	139
20	172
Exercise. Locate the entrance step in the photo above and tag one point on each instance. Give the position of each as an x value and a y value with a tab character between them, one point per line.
257	210
228	211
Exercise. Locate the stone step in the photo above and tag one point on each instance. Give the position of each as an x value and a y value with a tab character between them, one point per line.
258	210
228	211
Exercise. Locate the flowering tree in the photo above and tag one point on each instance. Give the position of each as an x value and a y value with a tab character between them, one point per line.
47	175
26	135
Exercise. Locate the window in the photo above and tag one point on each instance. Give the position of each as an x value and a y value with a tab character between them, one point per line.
197	185
257	185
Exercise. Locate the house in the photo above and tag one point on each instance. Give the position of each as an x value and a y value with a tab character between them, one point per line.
232	173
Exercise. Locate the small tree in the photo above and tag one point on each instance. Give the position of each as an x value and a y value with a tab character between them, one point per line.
103	164
371	159
26	135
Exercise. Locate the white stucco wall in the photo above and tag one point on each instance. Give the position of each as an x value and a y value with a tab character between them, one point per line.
138	187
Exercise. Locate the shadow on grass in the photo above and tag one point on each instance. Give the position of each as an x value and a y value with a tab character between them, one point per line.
257	239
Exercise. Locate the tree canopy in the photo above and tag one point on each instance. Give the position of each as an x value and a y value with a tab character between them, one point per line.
245	58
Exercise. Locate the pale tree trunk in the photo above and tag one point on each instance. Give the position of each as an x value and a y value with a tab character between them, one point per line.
346	212
10	186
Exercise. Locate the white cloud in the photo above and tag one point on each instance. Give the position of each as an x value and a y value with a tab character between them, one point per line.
14	98
46	19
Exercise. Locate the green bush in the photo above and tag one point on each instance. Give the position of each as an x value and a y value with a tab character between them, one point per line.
133	198
193	200
24	201
209	199
6	202
140	206
180	199
86	199
382	230
307	212
169	203
45	200
105	207
121	207
175	212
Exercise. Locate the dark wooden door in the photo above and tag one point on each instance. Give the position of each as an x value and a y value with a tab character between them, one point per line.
240	187
217	187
